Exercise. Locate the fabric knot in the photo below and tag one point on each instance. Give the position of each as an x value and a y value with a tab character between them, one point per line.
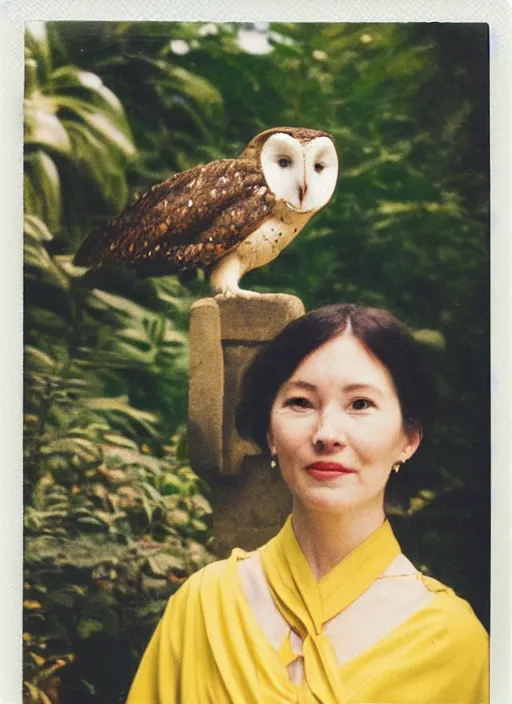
291	649
306	604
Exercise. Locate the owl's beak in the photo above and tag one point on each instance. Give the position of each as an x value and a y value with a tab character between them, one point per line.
303	189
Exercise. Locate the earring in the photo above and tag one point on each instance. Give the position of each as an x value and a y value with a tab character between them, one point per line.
273	462
396	466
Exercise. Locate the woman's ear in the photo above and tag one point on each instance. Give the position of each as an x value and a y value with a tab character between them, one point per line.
270	443
413	436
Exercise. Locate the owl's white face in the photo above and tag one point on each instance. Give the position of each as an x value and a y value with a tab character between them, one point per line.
303	175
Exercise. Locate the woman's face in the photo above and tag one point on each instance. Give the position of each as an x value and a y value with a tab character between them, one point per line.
336	427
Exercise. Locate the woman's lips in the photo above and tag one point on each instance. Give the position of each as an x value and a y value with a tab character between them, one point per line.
328	470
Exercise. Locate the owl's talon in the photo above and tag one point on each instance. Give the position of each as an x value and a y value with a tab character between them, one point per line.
236	292
244	293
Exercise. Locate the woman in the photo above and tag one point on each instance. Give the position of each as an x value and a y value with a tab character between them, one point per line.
329	610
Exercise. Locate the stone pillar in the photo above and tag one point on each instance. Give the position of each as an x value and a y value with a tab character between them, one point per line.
250	500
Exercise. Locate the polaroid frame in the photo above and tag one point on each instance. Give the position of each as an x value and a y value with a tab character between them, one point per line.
13	15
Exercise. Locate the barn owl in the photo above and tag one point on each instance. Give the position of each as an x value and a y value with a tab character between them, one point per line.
228	217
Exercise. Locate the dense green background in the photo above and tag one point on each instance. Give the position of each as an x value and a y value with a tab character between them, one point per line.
114	517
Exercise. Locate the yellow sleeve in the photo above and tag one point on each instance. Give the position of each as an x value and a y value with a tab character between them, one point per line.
464	651
450	664
178	666
472	684
440	655
157	677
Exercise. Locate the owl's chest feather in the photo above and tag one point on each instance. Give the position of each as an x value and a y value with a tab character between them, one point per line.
270	238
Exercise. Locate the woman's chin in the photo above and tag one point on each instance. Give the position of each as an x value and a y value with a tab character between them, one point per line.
340	501
322	499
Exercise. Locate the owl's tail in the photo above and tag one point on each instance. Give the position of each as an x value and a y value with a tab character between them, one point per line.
91	252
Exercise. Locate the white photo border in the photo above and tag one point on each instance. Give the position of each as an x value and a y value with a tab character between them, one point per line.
13	16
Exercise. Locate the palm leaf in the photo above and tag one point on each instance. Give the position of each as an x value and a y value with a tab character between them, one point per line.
120	406
44	179
36	256
35	228
100	122
73	79
43	127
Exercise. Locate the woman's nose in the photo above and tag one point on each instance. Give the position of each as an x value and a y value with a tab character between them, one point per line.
330	433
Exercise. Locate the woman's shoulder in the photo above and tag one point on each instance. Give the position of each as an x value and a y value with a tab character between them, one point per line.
452	616
215	575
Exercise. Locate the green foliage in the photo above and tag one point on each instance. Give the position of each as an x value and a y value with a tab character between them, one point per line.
114	517
110	531
75	128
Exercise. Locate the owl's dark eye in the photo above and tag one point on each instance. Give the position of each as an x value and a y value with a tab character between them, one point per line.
319	167
284	162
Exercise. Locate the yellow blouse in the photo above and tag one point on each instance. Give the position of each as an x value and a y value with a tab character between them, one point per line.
210	649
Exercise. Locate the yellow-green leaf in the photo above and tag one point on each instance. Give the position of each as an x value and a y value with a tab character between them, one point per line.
47	130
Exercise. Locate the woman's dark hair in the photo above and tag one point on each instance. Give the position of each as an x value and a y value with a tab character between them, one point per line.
381	333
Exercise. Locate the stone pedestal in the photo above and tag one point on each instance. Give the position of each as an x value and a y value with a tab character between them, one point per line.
250	500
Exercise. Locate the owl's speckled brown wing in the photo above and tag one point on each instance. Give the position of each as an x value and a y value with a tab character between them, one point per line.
190	220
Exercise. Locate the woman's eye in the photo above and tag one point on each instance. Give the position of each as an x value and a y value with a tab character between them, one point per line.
284	162
319	167
361	404
298	402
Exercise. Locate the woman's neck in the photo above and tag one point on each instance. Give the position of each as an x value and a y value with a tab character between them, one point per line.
327	538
